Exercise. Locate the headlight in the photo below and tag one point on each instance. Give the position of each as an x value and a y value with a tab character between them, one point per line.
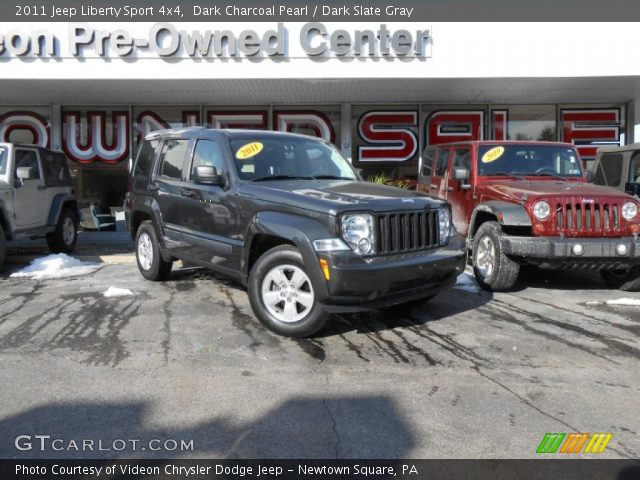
357	232
541	210
444	224
629	210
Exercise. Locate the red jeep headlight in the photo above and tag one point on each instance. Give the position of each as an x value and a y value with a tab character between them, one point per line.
541	210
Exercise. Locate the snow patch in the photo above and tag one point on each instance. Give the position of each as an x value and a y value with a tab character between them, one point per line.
467	282
624	301
617	301
117	292
56	266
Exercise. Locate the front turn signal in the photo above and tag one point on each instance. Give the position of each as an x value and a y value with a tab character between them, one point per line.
324	265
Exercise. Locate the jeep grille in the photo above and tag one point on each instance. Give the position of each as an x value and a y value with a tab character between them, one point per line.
588	219
399	232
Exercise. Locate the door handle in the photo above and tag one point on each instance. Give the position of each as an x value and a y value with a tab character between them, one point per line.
433	187
186	193
153	186
449	189
41	187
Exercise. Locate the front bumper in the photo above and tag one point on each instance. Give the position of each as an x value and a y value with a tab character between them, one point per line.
359	283
597	253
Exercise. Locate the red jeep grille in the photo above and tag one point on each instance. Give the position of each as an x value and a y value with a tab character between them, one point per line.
407	231
588	219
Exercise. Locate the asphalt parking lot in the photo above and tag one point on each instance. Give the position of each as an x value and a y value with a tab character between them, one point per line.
467	375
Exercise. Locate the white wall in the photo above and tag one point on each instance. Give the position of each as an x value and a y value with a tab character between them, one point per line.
459	50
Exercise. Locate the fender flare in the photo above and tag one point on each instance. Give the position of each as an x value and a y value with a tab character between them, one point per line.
510	214
296	229
56	207
151	208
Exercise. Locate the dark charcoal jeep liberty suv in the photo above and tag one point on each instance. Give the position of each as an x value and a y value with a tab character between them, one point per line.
288	217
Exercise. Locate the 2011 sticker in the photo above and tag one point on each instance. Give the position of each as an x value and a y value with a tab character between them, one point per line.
249	150
492	155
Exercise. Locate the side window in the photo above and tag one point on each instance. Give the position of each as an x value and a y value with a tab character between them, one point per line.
208	153
28	158
145	157
174	153
441	165
462	158
634	168
612	166
427	161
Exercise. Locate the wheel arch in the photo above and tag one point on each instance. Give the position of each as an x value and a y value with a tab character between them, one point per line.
269	229
60	201
507	214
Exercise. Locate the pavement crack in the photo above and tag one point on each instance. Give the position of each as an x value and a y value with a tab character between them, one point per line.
325	403
166	328
571	428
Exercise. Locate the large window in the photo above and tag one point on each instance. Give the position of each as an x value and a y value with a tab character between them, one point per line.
263	158
531	160
526	122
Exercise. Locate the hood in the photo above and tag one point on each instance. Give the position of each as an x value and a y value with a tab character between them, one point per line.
335	196
524	190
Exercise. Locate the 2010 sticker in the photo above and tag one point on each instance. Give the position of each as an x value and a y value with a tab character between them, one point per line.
492	155
249	150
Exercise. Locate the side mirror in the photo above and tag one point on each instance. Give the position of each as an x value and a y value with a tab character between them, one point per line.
632	188
460	173
590	176
206	175
24	173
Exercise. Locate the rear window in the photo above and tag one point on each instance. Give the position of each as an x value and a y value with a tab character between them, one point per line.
144	160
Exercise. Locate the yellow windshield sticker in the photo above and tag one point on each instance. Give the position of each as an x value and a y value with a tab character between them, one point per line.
492	155
249	150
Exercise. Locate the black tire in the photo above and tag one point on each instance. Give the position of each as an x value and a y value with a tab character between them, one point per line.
150	262
61	240
3	245
313	316
627	280
503	272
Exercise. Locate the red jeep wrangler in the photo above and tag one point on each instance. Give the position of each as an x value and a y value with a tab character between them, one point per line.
530	203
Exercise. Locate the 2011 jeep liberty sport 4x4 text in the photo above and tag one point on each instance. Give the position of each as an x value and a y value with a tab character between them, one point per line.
36	197
529	202
287	216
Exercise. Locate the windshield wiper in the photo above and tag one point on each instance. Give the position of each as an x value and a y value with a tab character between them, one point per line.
506	174
280	177
547	174
331	177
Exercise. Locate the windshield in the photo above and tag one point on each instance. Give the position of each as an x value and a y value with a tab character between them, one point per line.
3	160
263	158
542	160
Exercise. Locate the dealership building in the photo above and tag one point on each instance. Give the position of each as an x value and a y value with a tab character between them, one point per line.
380	91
